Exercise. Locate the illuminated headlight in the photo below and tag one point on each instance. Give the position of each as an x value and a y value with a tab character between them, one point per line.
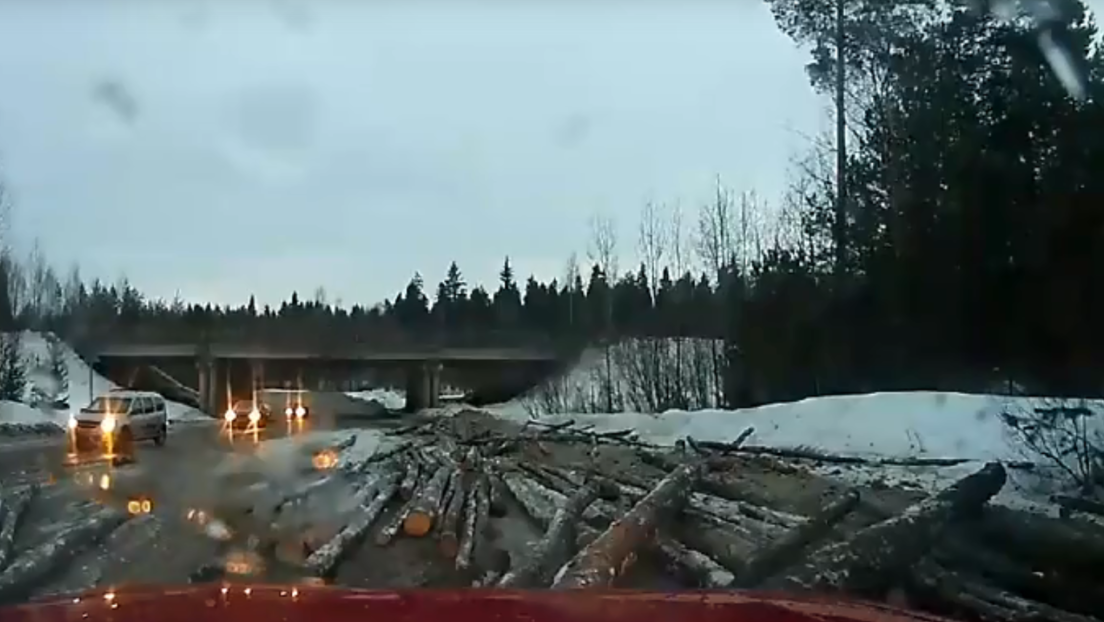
254	415
72	422
108	424
230	415
288	412
300	412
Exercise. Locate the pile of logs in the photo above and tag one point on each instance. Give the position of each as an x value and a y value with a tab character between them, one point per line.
952	553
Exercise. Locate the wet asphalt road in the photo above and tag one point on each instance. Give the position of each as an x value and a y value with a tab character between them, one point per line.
175	480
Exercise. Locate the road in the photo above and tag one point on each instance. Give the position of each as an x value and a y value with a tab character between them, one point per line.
177	483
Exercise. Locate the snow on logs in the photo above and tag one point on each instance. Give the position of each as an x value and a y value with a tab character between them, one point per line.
614	550
555	547
875	558
371	500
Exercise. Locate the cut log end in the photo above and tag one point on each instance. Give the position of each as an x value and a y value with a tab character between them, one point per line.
417	524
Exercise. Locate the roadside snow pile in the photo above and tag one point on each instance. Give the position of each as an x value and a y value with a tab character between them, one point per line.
622	376
922	440
19	419
60	381
388	398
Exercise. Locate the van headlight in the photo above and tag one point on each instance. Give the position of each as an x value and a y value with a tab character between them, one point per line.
254	415
230	415
72	422
300	412
288	412
108	424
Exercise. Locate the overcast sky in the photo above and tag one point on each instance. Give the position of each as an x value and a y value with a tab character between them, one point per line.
221	148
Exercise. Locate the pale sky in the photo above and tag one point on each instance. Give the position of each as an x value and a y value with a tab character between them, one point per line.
229	147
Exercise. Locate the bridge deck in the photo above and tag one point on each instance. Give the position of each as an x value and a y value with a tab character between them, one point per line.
261	352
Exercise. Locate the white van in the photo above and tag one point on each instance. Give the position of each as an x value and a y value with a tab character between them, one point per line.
124	417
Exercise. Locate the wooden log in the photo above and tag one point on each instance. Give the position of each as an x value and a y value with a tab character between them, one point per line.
537	502
1074	546
788	548
30	568
692	566
449	539
555	548
1076	593
880	556
409	484
423	511
476	513
607	558
947	588
324	561
759	521
16	505
496	493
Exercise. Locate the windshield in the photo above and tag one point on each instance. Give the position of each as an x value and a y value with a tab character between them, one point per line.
759	296
118	405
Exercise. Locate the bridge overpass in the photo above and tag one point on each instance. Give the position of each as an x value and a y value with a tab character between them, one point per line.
220	371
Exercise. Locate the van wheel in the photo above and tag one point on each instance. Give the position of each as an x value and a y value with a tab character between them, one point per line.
162	436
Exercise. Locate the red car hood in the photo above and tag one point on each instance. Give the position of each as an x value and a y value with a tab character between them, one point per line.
239	603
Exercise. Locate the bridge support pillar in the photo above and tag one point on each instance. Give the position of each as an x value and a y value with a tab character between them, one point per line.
433	382
208	386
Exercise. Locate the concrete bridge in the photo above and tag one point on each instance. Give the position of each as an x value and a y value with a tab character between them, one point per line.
220	372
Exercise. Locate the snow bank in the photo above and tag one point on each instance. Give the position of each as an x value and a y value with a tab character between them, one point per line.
389	398
19	419
626	375
83	381
880	425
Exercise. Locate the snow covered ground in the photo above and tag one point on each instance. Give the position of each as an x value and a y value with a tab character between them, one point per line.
19	418
875	426
391	399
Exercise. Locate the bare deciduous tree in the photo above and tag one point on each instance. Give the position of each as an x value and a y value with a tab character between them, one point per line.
603	253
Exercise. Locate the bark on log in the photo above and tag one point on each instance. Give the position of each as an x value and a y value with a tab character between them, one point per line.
1071	545
692	566
29	569
16	505
477	508
537	501
409	484
449	540
754	522
555	548
984	601
424	506
1074	593
788	548
729	548
605	559
496	494
877	557
324	561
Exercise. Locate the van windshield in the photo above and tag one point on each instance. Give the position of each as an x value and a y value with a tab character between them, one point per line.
109	405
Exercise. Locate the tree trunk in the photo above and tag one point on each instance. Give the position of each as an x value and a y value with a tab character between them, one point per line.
614	550
881	555
324	561
785	550
449	540
425	505
555	548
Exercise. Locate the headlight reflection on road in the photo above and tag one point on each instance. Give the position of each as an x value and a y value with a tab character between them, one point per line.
139	506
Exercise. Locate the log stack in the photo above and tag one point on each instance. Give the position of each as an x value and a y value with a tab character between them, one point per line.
692	517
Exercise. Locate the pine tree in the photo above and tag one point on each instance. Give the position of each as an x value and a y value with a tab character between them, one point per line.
58	367
13	369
